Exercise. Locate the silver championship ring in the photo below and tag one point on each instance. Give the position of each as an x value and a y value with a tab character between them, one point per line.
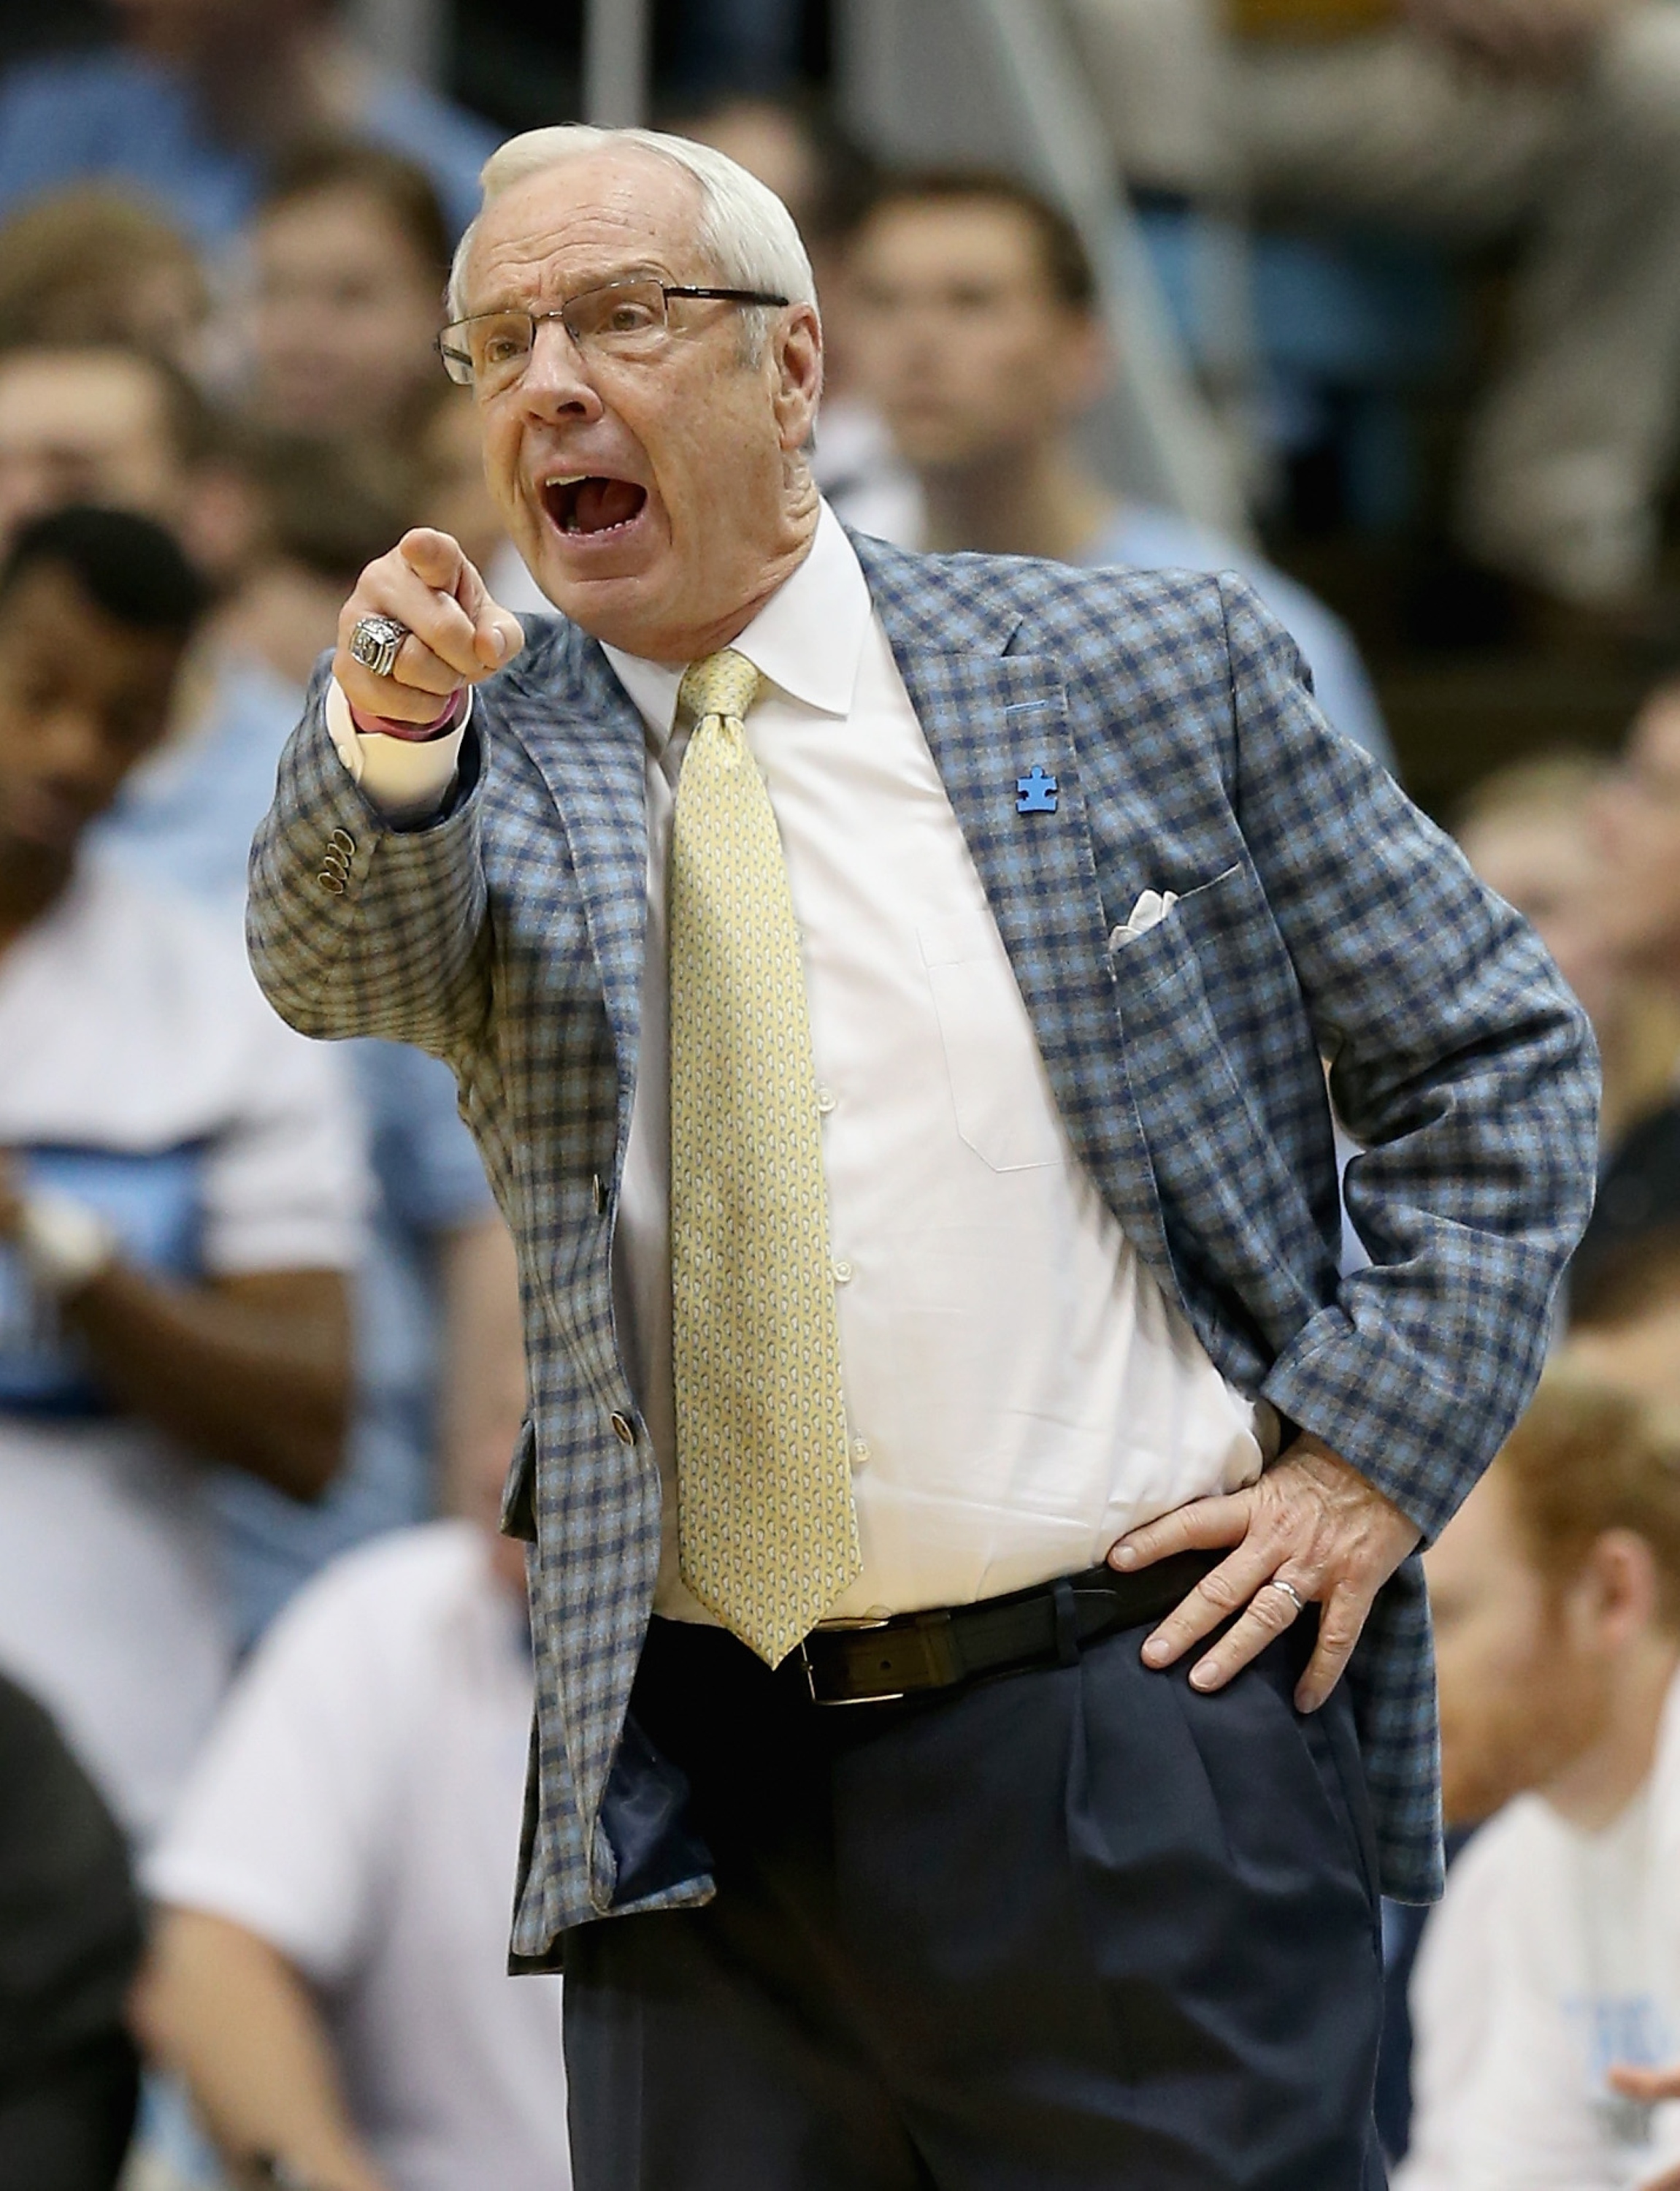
375	642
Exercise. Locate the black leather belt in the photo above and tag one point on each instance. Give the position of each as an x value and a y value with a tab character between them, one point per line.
883	1661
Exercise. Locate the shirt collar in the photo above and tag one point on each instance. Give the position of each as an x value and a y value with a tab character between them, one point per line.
807	639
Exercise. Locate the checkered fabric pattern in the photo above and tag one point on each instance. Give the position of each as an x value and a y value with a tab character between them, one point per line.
767	1530
1318	915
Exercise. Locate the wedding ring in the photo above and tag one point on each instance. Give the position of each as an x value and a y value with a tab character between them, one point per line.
375	643
1289	1590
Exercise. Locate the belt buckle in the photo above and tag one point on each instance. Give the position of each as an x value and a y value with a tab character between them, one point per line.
848	1627
931	1631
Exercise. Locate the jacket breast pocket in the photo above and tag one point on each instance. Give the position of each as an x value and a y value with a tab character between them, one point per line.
1006	1112
1220	1170
1167	948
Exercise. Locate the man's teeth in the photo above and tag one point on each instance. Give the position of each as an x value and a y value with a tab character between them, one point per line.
560	490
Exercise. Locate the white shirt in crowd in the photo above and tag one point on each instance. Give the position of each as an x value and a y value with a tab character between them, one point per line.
1555	1954
1019	1390
358	1808
142	1072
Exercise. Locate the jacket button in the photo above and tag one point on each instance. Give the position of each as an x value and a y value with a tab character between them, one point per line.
624	1429
598	1187
331	882
342	840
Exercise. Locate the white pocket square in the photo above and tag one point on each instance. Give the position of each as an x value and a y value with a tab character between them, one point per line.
1152	908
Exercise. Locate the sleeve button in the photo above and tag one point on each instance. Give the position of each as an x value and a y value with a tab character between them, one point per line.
623	1429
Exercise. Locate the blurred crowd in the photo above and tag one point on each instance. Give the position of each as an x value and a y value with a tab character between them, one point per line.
264	1678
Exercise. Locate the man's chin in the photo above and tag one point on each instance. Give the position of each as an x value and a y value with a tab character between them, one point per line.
620	606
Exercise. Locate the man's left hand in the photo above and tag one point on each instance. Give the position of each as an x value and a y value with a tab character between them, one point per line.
1311	1521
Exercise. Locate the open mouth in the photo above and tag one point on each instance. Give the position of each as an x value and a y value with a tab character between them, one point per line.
593	506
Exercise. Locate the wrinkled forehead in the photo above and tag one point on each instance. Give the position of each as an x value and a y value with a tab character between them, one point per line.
587	218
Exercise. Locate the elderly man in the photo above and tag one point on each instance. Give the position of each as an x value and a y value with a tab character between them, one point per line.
890	993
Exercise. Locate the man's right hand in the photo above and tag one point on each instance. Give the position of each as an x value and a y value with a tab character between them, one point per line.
459	635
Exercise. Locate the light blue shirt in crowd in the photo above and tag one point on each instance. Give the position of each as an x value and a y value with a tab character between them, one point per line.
125	116
1148	539
186	819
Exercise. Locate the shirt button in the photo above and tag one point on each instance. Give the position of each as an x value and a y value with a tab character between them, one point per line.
842	1270
624	1429
825	1100
860	1450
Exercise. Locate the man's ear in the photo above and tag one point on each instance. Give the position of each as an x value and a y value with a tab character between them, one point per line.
1616	1591
799	376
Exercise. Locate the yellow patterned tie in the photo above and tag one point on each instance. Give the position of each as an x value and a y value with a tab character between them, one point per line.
767	1531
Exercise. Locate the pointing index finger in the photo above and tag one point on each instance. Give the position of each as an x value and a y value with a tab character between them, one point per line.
435	559
497	636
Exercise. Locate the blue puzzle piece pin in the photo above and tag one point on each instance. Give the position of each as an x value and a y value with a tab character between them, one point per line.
1036	792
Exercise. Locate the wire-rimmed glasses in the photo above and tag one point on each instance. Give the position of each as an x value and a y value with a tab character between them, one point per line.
488	351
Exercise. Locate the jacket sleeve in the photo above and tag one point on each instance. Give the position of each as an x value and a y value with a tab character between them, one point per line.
359	927
1457	1058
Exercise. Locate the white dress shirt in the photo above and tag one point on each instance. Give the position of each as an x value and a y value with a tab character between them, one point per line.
1019	1392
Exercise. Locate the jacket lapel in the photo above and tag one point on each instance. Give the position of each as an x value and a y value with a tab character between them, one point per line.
991	718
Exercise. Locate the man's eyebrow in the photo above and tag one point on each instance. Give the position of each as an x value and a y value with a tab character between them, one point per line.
581	287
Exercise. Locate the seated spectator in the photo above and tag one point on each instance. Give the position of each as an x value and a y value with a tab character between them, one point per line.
329	1970
1473	121
1527	830
977	331
1554	1959
89	265
825	181
199	98
350	253
180	1191
102	422
70	1941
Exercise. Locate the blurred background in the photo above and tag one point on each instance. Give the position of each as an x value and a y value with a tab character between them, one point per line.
1377	301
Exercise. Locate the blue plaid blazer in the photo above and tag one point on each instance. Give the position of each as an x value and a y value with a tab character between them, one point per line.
1319	916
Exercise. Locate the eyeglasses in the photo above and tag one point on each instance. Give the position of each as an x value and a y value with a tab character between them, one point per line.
490	351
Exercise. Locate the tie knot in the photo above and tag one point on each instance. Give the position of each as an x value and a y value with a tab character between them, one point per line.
723	684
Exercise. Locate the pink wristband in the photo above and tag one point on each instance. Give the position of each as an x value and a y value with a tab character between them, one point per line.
414	734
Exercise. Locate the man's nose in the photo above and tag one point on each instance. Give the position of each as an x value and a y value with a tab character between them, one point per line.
557	379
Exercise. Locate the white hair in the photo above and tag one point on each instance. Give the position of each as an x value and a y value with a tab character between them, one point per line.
746	232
